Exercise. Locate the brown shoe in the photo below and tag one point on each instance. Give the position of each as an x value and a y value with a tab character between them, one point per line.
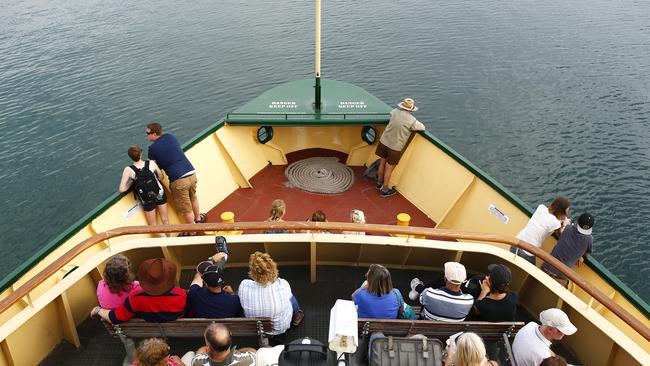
298	317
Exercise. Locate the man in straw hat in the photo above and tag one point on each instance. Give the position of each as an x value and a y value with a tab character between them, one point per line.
532	343
392	142
159	300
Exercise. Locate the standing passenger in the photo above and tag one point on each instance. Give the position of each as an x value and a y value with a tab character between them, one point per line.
151	194
393	141
544	222
357	217
574	243
167	153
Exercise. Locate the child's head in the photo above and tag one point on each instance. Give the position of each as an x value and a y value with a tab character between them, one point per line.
357	216
278	208
318	216
152	352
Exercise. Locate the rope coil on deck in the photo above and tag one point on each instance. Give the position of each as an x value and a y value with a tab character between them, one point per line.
320	175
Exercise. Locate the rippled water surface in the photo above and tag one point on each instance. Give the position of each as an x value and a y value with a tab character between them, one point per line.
547	97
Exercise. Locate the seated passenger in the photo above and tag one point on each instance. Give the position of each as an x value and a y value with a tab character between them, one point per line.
543	223
447	303
468	349
215	299
376	298
278	208
218	349
267	295
496	303
357	217
532	343
160	299
117	284
155	352
574	243
317	216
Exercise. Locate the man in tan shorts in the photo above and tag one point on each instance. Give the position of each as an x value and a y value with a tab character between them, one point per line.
392	142
169	156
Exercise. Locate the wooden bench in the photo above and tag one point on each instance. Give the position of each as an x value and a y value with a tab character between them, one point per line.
185	328
439	329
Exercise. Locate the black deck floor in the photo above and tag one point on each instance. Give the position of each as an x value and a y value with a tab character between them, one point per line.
98	348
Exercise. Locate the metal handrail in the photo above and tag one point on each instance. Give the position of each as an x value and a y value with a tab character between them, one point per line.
444	234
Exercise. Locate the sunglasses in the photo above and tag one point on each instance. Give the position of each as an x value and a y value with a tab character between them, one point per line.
149	133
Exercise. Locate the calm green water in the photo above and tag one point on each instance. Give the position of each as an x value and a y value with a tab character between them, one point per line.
550	98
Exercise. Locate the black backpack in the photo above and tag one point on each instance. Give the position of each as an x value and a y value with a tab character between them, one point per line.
145	184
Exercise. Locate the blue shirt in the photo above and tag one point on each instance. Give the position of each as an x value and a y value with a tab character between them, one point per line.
207	304
371	306
569	248
169	156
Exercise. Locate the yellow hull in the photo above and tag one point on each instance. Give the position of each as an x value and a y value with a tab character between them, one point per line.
225	159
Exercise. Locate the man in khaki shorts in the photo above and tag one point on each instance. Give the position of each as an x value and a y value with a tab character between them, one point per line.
392	142
169	156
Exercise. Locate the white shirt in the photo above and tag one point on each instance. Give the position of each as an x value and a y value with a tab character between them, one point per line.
270	300
539	227
530	347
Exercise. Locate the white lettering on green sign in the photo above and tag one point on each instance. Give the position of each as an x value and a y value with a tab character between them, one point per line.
352	105
283	104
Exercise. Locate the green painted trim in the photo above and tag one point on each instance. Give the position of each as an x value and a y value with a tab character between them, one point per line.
48	248
608	276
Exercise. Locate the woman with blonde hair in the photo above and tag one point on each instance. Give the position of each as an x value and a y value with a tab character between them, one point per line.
265	294
155	352
117	284
278	208
469	351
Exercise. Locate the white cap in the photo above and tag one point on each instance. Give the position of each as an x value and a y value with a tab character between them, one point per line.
455	273
556	318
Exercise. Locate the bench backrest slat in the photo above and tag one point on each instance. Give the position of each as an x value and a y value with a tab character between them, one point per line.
440	329
190	328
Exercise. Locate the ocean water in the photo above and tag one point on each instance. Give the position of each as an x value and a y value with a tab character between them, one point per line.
550	98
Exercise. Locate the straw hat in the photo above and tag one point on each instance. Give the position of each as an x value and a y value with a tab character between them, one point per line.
408	105
157	276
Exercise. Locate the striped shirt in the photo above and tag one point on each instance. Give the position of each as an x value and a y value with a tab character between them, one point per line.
163	308
270	300
444	304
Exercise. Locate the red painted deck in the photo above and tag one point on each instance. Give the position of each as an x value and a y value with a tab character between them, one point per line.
253	204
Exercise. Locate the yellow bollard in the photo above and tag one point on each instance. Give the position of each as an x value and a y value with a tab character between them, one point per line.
228	216
403	219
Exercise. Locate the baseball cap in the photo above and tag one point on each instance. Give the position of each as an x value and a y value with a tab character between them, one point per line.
211	274
585	223
455	272
557	318
499	274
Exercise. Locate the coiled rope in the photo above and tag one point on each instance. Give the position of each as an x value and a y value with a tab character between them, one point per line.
320	175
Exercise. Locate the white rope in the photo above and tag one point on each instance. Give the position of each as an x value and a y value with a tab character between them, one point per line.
320	175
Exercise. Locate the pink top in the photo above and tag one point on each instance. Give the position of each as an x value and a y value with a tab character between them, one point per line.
109	300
